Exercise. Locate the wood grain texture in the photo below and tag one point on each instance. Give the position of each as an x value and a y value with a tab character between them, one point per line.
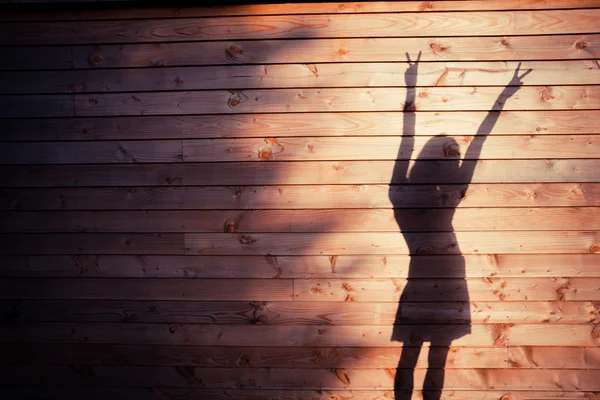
571	72
430	289
332	290
36	106
326	100
308	26
291	8
307	313
203	202
385	148
310	124
91	152
512	48
483	335
299	173
538	357
299	149
257	357
250	221
392	243
247	267
121	393
19	58
303	196
306	358
150	289
467	379
101	243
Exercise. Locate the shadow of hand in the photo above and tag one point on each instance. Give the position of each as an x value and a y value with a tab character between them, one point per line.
516	82
410	76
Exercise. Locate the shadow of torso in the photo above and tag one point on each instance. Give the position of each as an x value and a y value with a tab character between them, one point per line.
434	255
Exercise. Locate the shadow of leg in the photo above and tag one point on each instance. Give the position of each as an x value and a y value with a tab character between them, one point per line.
404	380
434	379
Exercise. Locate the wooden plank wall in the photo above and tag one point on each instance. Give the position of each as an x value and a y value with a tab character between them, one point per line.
267	201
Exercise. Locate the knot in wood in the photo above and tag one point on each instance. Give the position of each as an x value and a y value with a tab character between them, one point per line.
451	150
596	332
438	48
244	361
247	239
96	59
93	100
427	6
259	305
234	53
548	94
580	45
229	226
265	154
505	42
423	250
506	397
595	248
236	98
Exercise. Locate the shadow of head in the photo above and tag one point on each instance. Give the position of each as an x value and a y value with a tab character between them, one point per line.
438	162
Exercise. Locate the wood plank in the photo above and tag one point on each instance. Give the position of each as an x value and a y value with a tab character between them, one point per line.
98	243
127	393
303	267
91	152
567	72
122	393
483	335
149	289
31	392
330	100
539	22
273	357
465	379
20	58
309	124
300	313
385	148
336	220
514	48
296	149
428	289
546	357
302	173
251	357
302	197
290	8
51	105
531	335
339	243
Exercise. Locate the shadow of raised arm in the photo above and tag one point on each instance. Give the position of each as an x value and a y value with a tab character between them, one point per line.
407	143
474	150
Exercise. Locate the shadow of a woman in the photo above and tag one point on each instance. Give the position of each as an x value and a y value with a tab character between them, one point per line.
411	328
